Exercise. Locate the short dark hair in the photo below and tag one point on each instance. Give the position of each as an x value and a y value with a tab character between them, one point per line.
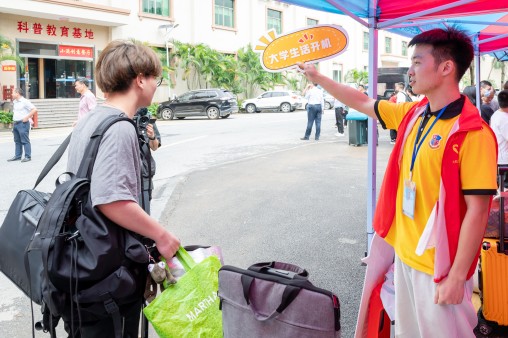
448	44
485	83
470	93
121	62
502	98
83	80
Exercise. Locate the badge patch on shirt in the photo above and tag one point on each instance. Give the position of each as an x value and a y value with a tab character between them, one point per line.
435	141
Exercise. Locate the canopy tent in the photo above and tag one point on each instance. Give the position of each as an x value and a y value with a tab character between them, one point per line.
485	20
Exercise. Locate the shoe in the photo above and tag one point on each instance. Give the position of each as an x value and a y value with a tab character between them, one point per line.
392	142
14	159
339	134
317	138
304	139
26	159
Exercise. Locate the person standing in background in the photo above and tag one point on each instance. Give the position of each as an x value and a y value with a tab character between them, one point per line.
340	112
23	111
87	101
315	105
486	111
400	97
499	124
487	93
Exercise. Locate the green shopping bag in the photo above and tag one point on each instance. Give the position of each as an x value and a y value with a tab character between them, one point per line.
189	308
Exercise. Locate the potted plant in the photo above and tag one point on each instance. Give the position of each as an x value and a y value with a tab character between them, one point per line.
6	118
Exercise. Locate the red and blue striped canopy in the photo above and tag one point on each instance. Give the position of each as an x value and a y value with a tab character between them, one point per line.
485	20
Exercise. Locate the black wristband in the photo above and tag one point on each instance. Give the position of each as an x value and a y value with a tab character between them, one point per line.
152	138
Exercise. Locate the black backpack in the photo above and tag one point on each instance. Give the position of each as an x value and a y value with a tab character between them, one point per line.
89	264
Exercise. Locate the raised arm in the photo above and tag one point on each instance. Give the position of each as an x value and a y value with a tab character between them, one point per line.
345	94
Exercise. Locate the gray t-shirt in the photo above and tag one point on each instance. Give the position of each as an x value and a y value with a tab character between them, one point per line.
116	172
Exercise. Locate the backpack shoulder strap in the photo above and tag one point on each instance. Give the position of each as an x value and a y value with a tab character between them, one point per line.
53	160
88	161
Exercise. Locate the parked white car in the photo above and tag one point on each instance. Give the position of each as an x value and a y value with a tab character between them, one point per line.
283	100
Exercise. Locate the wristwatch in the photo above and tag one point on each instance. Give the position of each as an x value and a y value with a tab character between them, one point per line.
152	138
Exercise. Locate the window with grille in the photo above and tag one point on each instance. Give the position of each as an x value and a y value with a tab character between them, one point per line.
274	20
156	7
224	13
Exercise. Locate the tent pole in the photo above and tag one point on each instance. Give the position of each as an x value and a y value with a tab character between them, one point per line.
477	71
372	128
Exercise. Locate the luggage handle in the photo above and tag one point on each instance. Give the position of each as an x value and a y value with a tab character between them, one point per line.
286	270
288	296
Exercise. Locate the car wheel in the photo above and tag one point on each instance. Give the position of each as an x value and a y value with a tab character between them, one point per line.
225	116
285	107
328	105
213	113
181	117
250	108
167	113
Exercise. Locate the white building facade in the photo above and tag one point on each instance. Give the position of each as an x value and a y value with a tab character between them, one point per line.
60	40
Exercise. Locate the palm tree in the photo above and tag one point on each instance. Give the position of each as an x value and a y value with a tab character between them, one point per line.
357	76
8	52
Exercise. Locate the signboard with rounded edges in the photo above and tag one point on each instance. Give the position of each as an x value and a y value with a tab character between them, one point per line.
305	45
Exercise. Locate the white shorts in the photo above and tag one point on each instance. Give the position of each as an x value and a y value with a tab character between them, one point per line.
416	315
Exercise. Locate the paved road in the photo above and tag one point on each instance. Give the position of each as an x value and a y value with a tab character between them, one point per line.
247	184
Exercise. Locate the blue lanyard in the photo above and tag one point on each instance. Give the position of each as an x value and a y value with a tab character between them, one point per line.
416	147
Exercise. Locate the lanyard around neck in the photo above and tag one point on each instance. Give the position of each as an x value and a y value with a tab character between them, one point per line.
417	145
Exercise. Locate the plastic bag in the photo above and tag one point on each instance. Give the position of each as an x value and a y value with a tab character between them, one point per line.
189	308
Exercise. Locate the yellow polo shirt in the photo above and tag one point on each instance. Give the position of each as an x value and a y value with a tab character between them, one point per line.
475	174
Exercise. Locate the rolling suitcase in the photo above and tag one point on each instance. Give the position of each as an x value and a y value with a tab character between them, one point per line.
275	300
493	276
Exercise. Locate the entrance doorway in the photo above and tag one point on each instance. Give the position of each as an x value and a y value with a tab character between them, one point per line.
50	89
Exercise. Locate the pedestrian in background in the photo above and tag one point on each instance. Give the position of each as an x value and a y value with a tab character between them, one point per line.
23	111
499	124
87	101
340	113
315	104
486	111
487	93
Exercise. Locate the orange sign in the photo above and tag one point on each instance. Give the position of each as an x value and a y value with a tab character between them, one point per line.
75	51
9	68
307	45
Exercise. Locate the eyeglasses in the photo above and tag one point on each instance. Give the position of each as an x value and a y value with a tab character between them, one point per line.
159	81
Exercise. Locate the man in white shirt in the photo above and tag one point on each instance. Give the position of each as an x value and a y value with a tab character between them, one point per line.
499	124
315	105
400	97
23	111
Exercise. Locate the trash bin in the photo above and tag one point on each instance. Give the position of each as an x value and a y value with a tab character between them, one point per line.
357	128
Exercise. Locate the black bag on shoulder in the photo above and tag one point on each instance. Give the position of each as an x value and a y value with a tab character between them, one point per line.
88	262
17	230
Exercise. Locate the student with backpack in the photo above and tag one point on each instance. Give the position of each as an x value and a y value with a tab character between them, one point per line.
128	73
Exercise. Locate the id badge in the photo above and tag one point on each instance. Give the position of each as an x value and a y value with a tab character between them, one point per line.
409	198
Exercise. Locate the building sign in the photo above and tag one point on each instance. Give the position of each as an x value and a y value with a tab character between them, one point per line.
9	68
75	51
308	45
37	28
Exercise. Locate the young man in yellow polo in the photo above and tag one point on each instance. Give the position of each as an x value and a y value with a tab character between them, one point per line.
436	193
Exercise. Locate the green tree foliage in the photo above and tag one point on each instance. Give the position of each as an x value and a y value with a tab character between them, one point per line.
357	76
204	67
8	52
